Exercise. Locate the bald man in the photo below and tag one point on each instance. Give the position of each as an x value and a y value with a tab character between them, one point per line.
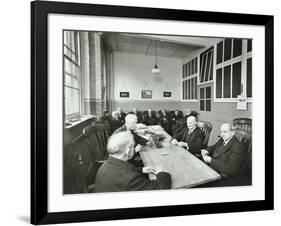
117	174
130	125
190	137
227	155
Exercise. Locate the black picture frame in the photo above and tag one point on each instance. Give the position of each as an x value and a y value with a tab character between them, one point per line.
124	94
39	112
167	94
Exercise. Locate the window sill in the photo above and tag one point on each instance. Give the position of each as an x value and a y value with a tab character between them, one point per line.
69	124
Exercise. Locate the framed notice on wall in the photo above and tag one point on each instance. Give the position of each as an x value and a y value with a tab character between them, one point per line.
167	94
124	94
146	94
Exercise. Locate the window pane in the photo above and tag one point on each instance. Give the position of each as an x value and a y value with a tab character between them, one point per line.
226	82
219	83
189	89
237	47
236	79
192	88
183	70
249	45
208	92
202	105
202	93
208	105
208	67
183	90
189	68
196	65
212	63
219	52
249	77
67	66
186	70
67	80
195	81
227	49
203	68
71	101
186	89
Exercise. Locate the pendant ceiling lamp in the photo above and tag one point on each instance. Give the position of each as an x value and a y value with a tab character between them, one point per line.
156	70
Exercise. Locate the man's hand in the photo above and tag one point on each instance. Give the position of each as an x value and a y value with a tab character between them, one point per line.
183	144
174	141
207	158
204	152
148	169
138	148
149	143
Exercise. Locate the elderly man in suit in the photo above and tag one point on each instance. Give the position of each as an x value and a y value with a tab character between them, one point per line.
227	155
130	125
138	114
191	137
164	120
121	115
117	174
114	123
150	118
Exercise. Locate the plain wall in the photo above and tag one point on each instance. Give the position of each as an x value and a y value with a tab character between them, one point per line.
132	73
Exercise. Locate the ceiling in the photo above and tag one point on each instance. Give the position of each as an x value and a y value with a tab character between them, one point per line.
167	46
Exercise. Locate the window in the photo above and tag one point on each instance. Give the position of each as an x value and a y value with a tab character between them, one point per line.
206	66
205	98
249	68
189	84
71	74
230	74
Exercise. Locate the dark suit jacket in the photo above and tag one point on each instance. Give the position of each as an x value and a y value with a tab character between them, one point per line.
150	120
194	140
117	175
227	159
165	121
121	117
114	124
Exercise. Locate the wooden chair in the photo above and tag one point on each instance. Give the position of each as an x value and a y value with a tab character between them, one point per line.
245	172
97	135
78	166
243	124
206	127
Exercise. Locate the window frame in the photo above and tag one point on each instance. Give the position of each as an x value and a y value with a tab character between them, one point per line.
187	77
73	116
243	59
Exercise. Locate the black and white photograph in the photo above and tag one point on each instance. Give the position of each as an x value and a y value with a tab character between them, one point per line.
196	135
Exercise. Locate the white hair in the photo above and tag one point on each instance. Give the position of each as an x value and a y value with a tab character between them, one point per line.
115	114
130	118
230	126
119	142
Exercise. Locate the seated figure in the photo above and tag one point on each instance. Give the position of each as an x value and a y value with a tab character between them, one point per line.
114	123
138	114
121	115
150	118
117	174
164	120
176	118
226	156
191	136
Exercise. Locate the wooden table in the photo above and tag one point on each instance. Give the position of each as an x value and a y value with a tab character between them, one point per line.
186	170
